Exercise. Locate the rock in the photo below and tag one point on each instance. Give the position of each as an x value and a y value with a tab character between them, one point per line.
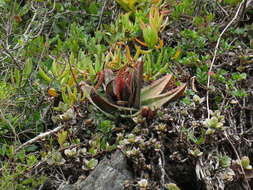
66	187
110	174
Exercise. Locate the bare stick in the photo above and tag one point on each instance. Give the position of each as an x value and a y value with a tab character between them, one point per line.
238	158
215	53
161	166
101	14
11	56
39	137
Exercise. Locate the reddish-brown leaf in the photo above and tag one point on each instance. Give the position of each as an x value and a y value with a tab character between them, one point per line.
137	83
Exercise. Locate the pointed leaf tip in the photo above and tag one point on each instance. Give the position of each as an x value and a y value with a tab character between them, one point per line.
164	98
156	88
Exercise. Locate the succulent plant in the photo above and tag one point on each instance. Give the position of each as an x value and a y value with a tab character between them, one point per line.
216	122
122	92
245	161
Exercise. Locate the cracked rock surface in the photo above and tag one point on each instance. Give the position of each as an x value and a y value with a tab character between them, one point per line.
110	174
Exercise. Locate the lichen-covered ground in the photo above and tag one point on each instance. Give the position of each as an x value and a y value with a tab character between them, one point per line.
52	135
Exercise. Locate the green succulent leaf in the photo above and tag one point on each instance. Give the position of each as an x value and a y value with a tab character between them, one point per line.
159	100
156	88
150	36
127	5
44	76
91	164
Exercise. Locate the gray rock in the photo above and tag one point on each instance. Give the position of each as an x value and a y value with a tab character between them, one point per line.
66	187
108	175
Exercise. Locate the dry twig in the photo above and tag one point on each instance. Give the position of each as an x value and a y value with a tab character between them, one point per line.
215	54
8	53
238	158
39	137
101	14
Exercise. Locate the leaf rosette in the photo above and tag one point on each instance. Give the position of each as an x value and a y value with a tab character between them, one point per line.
123	93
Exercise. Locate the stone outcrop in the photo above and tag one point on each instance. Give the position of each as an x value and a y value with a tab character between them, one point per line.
110	174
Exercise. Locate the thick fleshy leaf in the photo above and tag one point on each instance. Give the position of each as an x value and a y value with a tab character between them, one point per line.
104	77
123	94
120	84
109	92
125	89
157	87
132	87
159	100
105	106
138	80
109	75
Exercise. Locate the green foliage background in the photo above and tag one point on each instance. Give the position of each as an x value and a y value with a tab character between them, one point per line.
56	45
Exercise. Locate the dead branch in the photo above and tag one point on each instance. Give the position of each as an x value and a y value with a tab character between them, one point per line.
215	53
39	137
